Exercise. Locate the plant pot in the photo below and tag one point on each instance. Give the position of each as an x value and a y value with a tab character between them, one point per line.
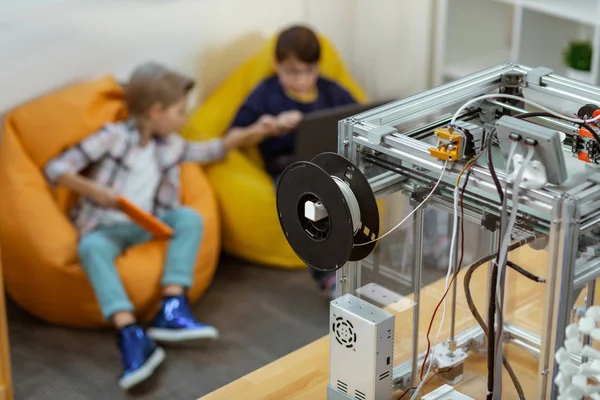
578	75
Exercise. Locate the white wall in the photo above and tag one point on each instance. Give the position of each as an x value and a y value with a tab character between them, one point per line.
385	42
392	50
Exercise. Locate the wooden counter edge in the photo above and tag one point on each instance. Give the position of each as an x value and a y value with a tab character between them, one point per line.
254	378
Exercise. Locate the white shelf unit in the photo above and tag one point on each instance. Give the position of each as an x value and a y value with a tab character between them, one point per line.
472	35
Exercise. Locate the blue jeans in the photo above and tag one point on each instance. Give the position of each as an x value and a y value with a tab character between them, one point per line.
99	249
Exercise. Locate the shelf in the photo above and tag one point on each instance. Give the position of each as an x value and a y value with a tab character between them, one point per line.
476	63
544	37
583	11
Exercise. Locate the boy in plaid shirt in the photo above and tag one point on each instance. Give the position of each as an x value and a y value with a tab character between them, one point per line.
139	160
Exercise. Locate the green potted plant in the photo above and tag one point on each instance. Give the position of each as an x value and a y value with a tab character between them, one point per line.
578	59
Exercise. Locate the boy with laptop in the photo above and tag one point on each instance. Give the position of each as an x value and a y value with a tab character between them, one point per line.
276	106
139	159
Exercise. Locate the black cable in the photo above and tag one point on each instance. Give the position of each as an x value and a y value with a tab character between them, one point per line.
470	270
493	281
491	337
478	317
548	115
525	273
513	246
491	165
491	343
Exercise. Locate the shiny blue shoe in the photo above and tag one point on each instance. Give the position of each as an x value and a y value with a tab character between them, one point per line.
140	356
176	323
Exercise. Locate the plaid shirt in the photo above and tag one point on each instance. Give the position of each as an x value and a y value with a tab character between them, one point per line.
108	155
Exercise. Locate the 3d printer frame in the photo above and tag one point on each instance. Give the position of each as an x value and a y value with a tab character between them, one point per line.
393	136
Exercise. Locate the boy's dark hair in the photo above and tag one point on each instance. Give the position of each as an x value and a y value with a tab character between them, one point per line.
299	42
152	83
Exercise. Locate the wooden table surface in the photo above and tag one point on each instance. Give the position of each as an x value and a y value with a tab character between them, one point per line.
304	374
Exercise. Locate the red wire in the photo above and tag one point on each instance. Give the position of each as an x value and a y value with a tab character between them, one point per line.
462	254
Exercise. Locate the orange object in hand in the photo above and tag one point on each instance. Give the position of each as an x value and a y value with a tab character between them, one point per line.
146	220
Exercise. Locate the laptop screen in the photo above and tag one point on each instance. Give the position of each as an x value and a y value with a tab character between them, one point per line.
318	131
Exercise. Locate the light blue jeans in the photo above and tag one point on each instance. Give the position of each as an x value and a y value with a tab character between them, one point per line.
99	249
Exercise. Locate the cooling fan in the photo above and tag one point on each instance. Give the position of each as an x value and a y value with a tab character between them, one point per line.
344	333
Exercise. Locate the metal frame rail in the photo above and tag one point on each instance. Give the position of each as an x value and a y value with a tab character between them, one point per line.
392	137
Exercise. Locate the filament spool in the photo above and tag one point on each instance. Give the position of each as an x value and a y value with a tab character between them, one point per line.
351	201
343	219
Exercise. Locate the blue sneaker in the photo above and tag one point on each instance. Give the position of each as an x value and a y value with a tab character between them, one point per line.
140	356
175	322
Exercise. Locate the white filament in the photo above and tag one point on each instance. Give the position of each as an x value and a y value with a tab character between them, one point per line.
351	201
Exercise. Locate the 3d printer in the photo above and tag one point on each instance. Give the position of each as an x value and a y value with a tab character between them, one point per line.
511	149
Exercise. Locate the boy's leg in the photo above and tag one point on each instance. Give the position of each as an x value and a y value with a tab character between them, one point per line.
326	281
182	252
97	252
175	320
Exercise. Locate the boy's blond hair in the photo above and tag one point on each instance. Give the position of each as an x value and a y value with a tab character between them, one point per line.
152	83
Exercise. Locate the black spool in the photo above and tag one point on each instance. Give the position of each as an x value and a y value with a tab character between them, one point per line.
328	244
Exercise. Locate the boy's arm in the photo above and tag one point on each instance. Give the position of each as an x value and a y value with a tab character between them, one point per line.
88	188
253	115
265	127
250	126
215	150
78	157
64	169
203	152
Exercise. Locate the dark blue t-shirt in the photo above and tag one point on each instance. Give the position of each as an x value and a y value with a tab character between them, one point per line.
269	98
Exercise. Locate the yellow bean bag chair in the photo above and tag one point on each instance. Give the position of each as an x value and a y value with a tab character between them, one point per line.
39	243
251	229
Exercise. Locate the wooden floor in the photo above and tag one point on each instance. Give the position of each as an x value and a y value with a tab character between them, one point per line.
262	314
304	373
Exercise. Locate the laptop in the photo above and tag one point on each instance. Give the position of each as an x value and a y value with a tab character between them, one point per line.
318	131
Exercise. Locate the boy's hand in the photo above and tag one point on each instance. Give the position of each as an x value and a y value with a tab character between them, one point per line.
288	120
267	125
105	197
